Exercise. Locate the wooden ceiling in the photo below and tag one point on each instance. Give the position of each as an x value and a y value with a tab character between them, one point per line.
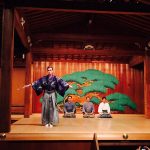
62	29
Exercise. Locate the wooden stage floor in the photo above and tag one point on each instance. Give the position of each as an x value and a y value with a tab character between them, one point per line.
120	127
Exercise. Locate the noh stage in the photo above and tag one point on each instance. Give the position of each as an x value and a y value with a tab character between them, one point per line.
123	130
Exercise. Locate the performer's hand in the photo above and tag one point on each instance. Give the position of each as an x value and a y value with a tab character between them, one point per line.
70	86
26	85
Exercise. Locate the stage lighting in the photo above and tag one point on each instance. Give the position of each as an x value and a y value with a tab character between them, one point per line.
89	47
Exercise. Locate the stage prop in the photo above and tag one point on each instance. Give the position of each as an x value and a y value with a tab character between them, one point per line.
94	83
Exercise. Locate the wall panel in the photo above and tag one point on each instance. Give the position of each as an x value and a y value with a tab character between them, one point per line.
130	79
18	81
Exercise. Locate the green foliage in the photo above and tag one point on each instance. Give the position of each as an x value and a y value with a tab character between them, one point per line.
78	104
116	106
70	91
96	75
111	78
93	88
92	80
119	101
75	86
91	74
59	99
104	83
95	100
93	71
41	99
74	77
97	81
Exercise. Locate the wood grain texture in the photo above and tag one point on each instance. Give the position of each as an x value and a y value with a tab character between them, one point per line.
79	128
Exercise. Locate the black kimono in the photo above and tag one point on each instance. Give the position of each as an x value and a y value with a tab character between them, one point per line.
50	85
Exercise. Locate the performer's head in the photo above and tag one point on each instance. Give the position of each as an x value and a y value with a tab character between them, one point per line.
87	98
104	100
50	70
69	98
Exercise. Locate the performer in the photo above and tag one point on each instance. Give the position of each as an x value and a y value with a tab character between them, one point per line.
50	84
104	109
88	109
69	108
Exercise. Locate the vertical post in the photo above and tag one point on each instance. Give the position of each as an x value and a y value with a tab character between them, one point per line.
96	142
7	54
28	100
147	86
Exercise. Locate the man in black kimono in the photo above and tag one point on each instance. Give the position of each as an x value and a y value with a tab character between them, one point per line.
50	84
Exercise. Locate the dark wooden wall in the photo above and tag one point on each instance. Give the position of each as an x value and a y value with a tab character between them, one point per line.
47	145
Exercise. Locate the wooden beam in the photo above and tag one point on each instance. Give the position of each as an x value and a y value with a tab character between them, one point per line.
103	59
147	86
1	2
136	60
27	99
96	142
84	37
20	30
7	54
85	6
69	51
91	11
145	1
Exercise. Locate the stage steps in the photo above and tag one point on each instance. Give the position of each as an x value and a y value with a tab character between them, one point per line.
123	144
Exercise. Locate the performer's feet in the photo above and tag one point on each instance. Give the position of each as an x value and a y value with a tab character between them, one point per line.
47	125
50	125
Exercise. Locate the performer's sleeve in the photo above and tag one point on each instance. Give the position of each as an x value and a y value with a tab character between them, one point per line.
37	86
62	86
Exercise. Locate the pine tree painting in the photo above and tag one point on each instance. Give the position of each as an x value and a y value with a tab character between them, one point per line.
95	82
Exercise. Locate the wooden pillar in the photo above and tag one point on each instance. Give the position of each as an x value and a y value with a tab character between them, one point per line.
28	92
7	54
147	86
